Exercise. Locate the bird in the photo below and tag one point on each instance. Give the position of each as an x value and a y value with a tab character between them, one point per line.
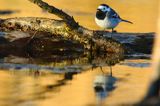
108	18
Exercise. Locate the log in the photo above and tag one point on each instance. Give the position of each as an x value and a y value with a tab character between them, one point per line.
139	46
43	34
65	29
57	30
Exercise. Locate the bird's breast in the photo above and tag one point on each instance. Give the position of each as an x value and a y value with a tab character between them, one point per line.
107	23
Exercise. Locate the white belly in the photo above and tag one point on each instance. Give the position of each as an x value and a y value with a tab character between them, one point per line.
106	23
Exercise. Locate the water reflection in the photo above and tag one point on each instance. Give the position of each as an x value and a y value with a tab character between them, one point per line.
68	62
24	88
103	85
39	78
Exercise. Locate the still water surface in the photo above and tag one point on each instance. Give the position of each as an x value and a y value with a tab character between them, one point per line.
29	81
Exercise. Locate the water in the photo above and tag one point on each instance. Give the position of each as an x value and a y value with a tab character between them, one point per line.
48	80
70	80
38	85
26	80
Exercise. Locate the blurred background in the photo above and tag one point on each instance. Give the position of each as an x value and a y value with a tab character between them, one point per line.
143	13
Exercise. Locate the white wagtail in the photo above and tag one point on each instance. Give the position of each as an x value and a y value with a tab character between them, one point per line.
107	18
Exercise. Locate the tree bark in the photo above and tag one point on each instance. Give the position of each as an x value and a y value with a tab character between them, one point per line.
67	31
59	30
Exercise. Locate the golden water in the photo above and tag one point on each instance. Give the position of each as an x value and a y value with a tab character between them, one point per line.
26	88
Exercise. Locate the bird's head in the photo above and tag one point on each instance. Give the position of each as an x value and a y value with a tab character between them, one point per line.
103	8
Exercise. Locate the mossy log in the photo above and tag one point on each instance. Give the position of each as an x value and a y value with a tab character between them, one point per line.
45	34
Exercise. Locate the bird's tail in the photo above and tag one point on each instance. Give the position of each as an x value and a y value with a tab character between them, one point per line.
126	21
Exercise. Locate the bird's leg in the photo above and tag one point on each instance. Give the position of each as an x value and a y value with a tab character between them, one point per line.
112	32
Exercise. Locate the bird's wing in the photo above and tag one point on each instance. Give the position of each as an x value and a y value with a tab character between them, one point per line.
113	14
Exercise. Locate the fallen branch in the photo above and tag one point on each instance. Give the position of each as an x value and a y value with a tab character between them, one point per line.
53	10
63	30
54	31
59	30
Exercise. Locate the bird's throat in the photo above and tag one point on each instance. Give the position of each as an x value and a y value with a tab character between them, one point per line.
100	15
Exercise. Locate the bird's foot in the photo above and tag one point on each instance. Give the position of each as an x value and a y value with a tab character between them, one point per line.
114	31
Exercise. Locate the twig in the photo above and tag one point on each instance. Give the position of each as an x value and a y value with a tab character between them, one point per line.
58	12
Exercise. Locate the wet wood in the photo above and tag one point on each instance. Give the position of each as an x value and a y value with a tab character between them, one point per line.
67	30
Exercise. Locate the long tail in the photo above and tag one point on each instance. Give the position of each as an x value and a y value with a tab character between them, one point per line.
126	21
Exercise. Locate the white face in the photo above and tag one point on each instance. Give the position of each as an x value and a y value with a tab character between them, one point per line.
104	8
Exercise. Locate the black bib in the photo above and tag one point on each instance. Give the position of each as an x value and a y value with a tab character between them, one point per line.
100	15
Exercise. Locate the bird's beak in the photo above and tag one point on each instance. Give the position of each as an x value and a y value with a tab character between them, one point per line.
99	10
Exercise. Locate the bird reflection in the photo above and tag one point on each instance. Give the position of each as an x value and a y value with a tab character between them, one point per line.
103	84
95	66
104	60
